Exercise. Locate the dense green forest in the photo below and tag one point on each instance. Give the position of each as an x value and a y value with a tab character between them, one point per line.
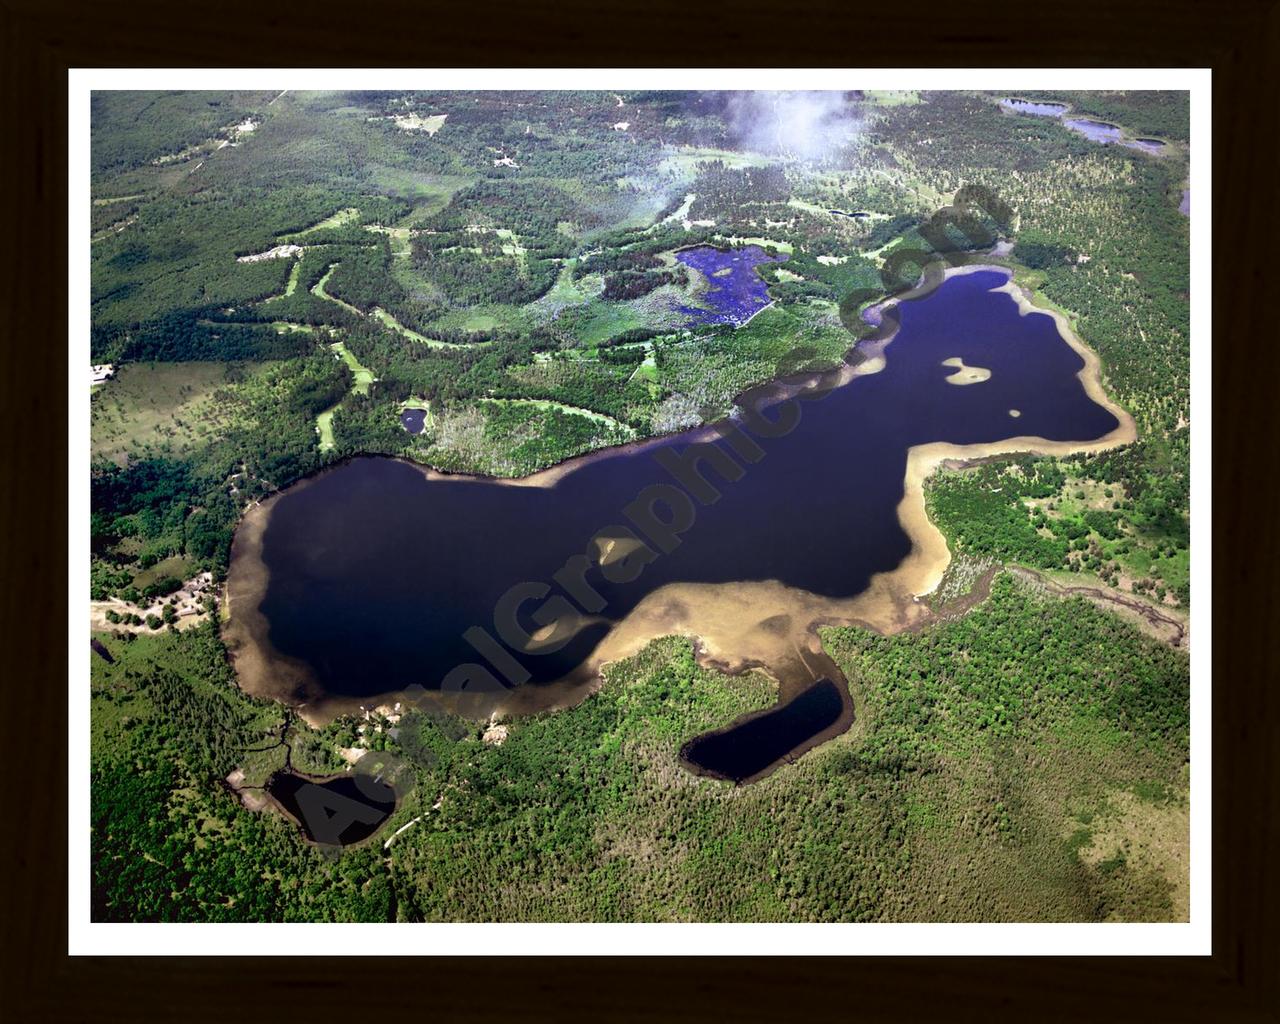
276	276
1007	764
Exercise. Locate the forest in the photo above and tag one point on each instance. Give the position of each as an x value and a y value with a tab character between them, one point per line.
992	753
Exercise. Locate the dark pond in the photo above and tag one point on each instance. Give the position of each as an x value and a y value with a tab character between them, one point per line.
413	419
1185	205
1096	131
750	747
376	571
338	811
1152	146
1032	107
859	215
737	292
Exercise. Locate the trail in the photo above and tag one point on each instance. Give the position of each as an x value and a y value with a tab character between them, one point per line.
1157	622
572	410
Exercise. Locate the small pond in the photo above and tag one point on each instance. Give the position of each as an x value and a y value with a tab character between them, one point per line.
337	811
413	420
1151	146
1095	131
757	743
1032	107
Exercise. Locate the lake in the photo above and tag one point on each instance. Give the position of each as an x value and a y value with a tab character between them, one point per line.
1096	131
750	747
377	576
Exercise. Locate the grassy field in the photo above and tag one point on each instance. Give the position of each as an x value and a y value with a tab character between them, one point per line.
604	320
684	161
291	285
571	410
364	376
386	318
761	241
339	219
892	97
155	405
318	291
484	318
400	238
324	427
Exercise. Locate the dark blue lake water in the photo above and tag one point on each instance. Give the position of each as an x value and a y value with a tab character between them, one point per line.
413	419
737	292
748	748
338	811
376	571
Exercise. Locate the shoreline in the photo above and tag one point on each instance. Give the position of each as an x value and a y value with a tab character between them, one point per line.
735	626
922	570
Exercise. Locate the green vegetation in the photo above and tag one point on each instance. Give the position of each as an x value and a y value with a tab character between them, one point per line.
515	438
148	407
362	375
987	753
1164	115
1000	765
174	497
514	275
386	318
169	842
1101	514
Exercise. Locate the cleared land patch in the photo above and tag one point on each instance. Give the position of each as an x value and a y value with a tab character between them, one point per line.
342	217
364	376
363	379
383	317
572	410
318	291
179	405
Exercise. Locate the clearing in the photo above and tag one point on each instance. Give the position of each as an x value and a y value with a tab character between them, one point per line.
337	220
383	317
179	405
572	410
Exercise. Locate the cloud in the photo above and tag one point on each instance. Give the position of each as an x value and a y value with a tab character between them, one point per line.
810	126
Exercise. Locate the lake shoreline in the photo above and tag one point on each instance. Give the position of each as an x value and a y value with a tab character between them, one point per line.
719	618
